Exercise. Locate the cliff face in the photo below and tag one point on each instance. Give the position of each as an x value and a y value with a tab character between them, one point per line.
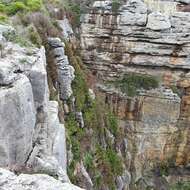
33	139
137	59
136	45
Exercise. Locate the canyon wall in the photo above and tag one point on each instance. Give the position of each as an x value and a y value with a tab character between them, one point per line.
144	42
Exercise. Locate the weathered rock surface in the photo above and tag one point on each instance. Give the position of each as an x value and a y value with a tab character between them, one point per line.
32	138
148	38
10	181
157	21
66	28
18	119
65	72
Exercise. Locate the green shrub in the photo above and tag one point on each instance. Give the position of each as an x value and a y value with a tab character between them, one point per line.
76	12
176	90
3	19
88	160
20	6
112	123
34	36
34	5
115	162
15	7
110	164
21	41
180	186
115	5
2	8
97	179
75	134
79	86
132	82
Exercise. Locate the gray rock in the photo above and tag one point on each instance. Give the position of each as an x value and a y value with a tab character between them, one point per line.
184	1
38	79
17	122
84	177
65	71
158	21
102	4
134	13
56	136
67	30
91	94
79	118
7	31
49	165
10	181
59	148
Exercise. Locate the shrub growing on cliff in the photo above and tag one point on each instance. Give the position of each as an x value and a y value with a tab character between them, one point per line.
34	36
20	6
112	123
132	82
115	5
14	7
88	160
3	19
74	11
34	5
180	186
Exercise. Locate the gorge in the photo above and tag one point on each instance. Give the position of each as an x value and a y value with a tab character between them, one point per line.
101	101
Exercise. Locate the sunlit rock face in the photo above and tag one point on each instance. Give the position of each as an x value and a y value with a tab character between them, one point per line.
147	39
32	137
10	181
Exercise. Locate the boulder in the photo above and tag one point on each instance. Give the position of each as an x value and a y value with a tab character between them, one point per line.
134	13
10	181
158	21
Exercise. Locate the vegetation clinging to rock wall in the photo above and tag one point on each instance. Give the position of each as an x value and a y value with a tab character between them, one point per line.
101	160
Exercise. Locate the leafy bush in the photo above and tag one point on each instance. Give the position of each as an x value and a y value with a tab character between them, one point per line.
34	5
110	164
88	160
115	5
176	90
20	6
74	134
115	162
180	186
132	82
112	123
3	19
34	36
79	86
2	8
14	7
75	11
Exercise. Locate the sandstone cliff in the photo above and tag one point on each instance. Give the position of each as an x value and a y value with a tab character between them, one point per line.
116	119
144	42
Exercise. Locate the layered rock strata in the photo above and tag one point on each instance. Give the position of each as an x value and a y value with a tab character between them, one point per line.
143	39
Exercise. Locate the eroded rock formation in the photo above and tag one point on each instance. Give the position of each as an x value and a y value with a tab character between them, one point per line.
143	39
10	181
33	139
